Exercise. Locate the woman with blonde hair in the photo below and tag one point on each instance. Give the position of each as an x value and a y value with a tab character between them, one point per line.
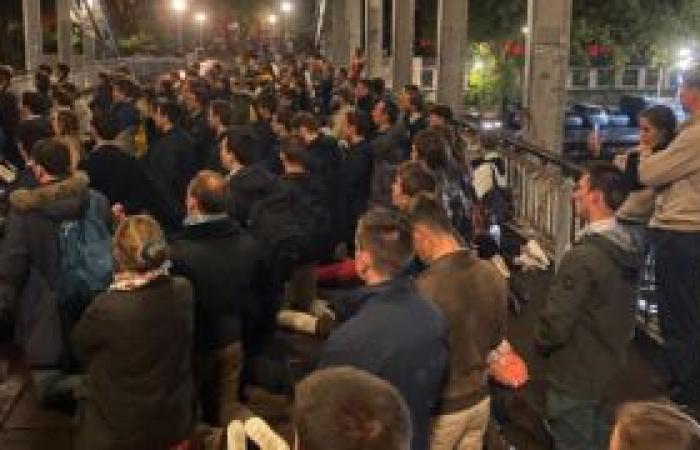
135	342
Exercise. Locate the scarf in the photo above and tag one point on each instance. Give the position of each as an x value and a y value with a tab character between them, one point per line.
130	281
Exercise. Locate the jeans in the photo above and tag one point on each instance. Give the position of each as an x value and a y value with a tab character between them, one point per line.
678	277
462	430
576	424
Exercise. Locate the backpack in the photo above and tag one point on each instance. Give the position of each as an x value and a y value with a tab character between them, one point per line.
86	260
274	224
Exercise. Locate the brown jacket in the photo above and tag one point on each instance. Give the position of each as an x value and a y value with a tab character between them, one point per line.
472	296
675	174
136	347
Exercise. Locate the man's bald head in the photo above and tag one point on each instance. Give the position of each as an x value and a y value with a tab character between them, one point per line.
208	190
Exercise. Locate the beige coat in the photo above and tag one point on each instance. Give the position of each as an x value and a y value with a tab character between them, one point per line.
675	174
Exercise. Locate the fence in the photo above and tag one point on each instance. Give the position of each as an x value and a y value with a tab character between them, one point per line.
542	185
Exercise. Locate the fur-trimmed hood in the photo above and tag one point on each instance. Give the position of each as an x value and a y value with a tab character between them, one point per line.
61	200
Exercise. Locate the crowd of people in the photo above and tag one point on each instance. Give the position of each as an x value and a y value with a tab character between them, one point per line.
159	237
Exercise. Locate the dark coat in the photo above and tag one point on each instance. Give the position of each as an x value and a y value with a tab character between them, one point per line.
357	183
388	151
472	296
247	187
30	264
128	116
588	321
123	179
383	339
223	262
326	164
172	163
136	346
267	141
203	138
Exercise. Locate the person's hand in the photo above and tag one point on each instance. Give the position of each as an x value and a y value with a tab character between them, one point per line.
620	162
118	213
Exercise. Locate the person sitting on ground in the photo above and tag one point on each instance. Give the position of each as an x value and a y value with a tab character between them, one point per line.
588	321
654	426
349	409
381	337
135	342
472	296
223	262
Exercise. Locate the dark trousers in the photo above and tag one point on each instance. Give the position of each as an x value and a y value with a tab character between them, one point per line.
218	377
678	275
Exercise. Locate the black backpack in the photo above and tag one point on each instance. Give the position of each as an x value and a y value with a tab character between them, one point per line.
273	223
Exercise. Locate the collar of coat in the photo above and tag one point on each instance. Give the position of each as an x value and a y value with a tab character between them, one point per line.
77	185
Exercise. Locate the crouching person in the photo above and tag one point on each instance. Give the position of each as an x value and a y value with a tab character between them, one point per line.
135	342
588	320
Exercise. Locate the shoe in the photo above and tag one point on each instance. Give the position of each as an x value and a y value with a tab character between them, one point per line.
236	436
263	436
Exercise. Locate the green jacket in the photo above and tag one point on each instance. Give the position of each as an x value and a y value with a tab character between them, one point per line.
588	321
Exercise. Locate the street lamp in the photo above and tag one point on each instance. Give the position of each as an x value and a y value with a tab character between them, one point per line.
287	8
201	19
272	19
180	6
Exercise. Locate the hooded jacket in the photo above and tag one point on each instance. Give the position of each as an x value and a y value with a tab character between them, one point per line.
248	186
588	321
30	262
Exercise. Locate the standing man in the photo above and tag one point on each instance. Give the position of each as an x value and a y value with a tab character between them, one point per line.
588	321
675	175
472	296
383	337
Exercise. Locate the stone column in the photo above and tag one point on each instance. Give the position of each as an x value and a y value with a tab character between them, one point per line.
453	51
33	46
63	8
374	52
403	37
339	32
546	69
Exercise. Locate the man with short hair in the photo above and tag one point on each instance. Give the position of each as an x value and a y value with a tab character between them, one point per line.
412	105
388	148
124	93
9	117
196	124
172	159
382	337
472	296
223	262
674	174
31	268
588	320
348	409
220	119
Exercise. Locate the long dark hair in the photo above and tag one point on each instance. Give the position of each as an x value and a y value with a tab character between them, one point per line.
664	120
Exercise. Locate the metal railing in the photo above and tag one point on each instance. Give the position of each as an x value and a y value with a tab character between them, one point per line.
542	186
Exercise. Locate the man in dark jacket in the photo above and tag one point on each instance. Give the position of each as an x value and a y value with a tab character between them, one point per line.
30	259
9	116
124	94
122	178
588	320
472	296
388	149
220	119
325	163
223	263
172	160
196	124
382	338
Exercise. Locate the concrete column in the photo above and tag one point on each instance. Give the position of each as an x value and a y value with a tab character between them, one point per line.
63	8
33	46
453	50
403	37
339	28
546	67
374	23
